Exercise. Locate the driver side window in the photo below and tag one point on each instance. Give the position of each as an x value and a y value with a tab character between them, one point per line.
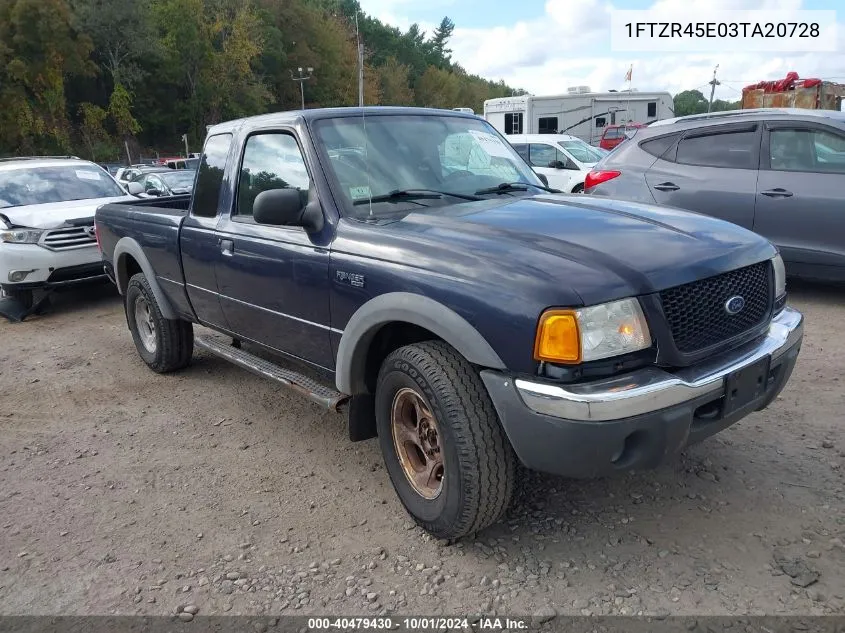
152	182
271	161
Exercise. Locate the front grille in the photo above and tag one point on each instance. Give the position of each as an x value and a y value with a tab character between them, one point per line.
697	315
72	237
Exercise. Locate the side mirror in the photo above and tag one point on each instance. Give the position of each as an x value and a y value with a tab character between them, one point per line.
556	164
543	179
134	188
288	207
153	192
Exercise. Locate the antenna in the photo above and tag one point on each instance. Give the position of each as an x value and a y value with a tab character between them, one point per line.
360	64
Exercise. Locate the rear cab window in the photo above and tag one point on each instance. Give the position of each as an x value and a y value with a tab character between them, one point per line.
206	198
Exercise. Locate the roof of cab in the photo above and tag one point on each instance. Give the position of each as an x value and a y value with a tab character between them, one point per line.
294	116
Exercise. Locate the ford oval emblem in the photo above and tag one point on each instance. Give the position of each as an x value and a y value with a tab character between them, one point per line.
734	305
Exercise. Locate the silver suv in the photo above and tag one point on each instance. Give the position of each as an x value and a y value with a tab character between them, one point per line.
780	173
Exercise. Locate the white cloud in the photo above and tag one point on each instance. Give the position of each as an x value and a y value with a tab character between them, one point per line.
570	45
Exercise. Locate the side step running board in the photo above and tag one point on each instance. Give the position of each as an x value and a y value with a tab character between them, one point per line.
322	395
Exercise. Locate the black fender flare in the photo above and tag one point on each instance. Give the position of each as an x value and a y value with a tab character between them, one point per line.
127	246
405	307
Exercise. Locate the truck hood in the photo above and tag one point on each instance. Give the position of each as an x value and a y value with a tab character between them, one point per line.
599	249
56	214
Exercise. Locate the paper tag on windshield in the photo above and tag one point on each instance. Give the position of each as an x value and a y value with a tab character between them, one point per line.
491	144
358	193
87	175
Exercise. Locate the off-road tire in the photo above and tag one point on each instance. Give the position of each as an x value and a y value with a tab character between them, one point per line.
174	338
479	462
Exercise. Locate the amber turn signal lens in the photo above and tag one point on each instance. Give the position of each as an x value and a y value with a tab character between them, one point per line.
558	340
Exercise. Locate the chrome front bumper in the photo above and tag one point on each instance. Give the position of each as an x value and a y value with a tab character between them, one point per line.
653	389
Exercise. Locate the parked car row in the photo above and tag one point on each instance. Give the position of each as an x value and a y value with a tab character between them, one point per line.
778	172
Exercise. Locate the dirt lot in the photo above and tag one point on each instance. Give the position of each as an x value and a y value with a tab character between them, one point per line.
122	491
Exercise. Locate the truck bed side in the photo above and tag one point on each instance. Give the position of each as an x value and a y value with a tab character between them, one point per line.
146	235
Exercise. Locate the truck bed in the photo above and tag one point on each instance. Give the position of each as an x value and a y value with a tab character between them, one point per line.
154	224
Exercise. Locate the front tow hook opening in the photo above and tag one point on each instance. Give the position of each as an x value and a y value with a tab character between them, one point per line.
631	451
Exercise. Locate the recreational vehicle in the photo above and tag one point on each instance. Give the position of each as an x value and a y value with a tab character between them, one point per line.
580	113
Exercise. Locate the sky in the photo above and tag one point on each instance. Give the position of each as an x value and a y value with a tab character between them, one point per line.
546	46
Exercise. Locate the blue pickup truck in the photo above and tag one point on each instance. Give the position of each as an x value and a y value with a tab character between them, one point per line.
407	266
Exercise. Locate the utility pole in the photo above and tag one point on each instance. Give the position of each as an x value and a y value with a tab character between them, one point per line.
360	64
302	79
185	139
713	83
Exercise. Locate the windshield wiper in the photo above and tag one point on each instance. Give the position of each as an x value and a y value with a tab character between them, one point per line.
507	187
414	194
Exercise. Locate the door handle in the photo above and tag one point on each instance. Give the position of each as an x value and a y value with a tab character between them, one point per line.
667	186
227	247
777	193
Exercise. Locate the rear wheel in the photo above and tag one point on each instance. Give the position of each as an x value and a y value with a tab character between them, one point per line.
164	344
445	451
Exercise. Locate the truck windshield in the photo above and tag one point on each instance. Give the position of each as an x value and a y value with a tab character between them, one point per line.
373	157
43	185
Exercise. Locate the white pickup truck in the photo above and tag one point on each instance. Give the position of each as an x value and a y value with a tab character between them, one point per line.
47	237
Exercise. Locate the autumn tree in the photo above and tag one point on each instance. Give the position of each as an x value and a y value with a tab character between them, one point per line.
92	130
39	50
85	75
394	81
437	88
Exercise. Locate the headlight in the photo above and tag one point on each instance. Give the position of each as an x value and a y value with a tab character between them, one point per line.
780	276
586	334
20	236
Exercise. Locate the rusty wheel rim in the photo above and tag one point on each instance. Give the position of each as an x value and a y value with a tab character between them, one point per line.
416	438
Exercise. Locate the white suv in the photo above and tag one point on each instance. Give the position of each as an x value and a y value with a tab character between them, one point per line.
47	237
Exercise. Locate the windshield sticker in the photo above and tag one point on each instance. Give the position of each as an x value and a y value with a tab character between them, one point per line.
491	144
87	175
358	193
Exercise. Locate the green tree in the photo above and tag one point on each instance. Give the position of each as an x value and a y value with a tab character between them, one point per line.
441	37
120	111
694	102
92	130
121	32
395	87
437	88
39	50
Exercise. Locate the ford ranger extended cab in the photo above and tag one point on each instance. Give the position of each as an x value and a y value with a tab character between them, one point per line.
409	264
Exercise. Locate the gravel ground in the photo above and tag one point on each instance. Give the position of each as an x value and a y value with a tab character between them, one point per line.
124	492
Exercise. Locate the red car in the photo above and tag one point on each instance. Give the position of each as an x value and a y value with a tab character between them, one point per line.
615	134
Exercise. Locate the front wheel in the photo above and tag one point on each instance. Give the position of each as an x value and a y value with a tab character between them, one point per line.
164	344
579	188
444	448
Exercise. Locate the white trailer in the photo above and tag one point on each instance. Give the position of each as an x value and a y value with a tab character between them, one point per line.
580	113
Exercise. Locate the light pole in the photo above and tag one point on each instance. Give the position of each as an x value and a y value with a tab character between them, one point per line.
301	78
